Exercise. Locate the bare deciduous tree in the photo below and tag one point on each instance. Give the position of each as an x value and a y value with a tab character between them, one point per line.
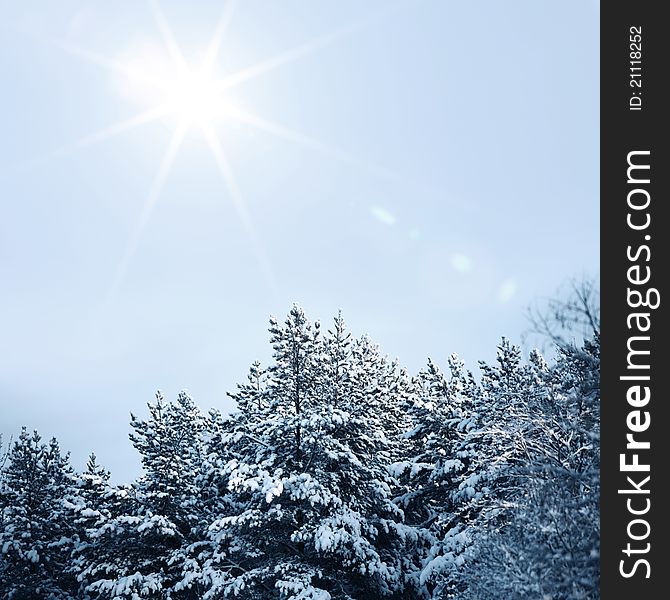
569	317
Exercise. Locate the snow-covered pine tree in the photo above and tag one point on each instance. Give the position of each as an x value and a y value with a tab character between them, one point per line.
89	507
210	563
438	472
381	390
93	483
308	467
144	549
36	538
336	379
372	392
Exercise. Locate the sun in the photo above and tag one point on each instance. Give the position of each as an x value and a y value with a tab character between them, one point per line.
194	97
148	76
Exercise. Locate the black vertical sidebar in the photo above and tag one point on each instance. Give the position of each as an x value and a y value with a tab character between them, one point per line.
635	373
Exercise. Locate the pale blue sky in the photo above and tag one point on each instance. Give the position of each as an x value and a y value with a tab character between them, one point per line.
430	169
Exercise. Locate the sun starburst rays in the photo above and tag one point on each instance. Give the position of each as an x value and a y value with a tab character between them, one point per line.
214	45
275	129
169	39
197	101
284	58
130	72
148	207
235	194
153	114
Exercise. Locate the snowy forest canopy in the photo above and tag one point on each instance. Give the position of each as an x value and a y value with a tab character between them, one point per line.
339	476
